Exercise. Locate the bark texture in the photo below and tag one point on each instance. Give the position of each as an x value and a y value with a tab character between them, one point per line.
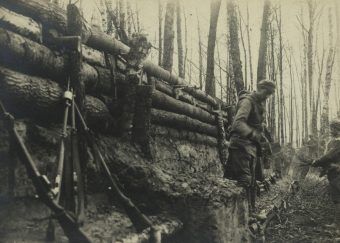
234	45
179	40
20	24
165	102
182	122
169	35
41	98
210	79
328	80
262	61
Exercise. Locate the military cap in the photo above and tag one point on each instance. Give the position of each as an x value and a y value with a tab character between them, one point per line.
267	84
335	123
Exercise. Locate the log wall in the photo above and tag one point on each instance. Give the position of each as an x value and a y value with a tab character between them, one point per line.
35	47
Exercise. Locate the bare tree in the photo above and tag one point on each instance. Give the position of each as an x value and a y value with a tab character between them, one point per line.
281	106
244	51
272	76
249	50
122	22
200	57
179	40
168	47
185	41
310	58
234	45
210	78
328	79
337	51
261	65
160	40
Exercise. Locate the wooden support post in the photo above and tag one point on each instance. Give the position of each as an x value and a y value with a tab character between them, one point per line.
126	103
222	142
79	145
142	118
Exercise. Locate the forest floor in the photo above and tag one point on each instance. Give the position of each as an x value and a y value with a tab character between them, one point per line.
307	214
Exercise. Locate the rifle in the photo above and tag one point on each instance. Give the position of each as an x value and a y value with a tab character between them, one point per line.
138	219
324	167
42	185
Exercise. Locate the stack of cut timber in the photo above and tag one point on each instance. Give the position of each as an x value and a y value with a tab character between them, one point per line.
29	50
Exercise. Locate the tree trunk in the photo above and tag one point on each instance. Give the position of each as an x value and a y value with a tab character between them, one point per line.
185	42
182	122
220	71
200	57
262	65
210	78
234	46
328	79
122	23
129	18
280	62
168	47
310	59
338	52
160	40
244	52
179	40
273	77
249	50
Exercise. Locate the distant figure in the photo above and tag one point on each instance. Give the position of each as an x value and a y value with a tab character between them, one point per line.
245	136
288	154
301	161
277	159
330	163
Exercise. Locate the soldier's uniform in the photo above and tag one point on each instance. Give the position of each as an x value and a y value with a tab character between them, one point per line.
244	148
330	162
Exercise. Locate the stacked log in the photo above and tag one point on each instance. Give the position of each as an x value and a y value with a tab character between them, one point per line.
20	24
182	122
33	58
32	96
178	105
55	18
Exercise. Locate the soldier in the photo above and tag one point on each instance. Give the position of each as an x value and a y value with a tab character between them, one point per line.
245	137
300	162
277	159
288	153
330	162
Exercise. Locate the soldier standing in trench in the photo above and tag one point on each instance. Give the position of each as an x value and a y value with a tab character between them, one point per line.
245	136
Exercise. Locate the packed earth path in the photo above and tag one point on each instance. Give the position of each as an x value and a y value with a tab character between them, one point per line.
305	211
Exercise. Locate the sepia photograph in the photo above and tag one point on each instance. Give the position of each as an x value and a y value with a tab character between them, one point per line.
169	121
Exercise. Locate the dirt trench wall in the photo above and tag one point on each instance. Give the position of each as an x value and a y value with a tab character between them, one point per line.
183	181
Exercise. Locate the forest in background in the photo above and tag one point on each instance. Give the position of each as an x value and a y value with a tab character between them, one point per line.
223	47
